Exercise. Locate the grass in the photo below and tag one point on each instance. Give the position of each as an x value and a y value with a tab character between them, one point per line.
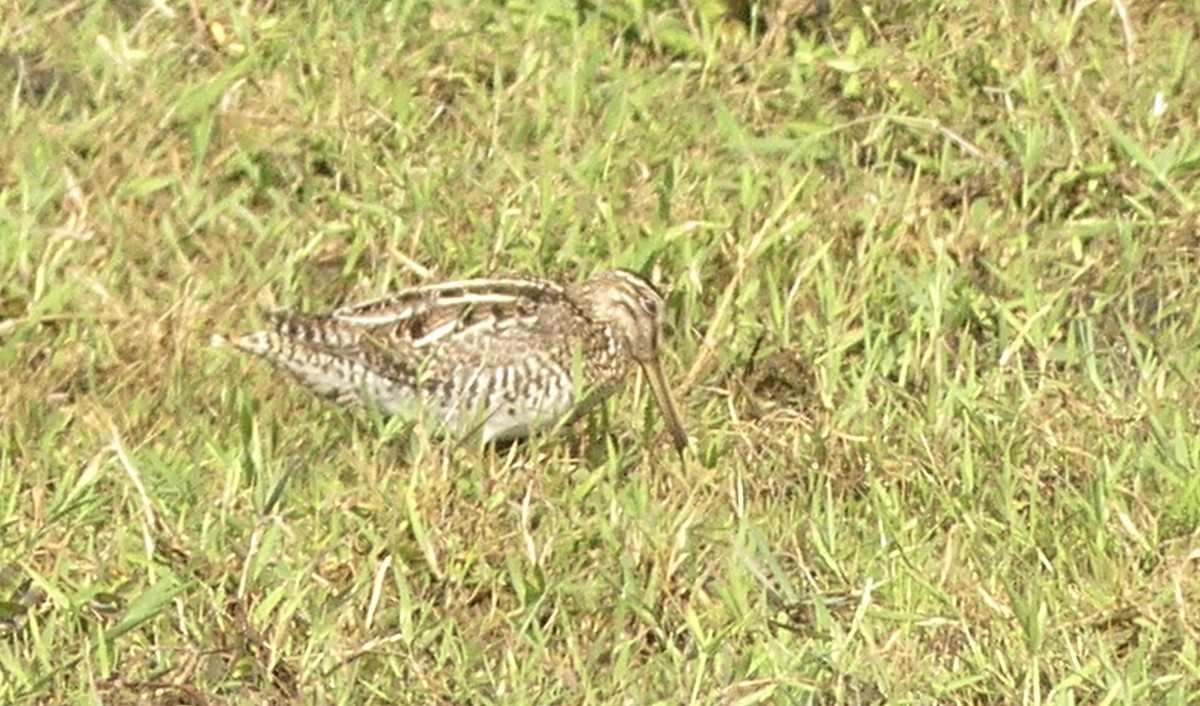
932	275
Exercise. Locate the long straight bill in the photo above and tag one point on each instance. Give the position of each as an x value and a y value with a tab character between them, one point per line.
662	394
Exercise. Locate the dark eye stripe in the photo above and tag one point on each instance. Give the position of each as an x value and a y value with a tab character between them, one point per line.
630	308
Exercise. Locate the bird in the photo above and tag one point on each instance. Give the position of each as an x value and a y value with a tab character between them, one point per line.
502	357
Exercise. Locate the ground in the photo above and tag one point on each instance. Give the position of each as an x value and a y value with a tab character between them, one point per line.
931	271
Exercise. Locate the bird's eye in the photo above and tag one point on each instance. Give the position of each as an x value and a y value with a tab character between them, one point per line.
650	305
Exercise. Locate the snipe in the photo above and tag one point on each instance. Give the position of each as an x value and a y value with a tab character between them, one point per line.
506	357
